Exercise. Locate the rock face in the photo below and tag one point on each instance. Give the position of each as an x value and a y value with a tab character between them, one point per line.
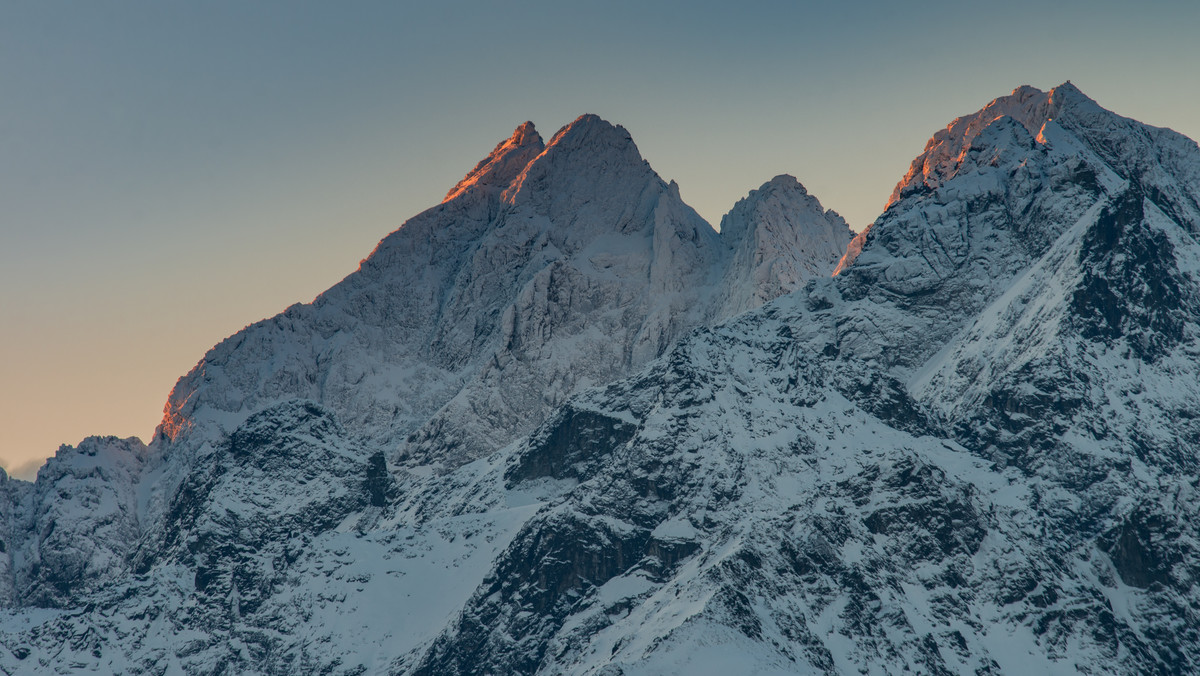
972	451
781	237
73	530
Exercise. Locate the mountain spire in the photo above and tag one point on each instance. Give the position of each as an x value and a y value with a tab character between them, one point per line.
503	164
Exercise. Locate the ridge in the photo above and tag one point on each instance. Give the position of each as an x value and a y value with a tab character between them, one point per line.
1030	106
1102	149
590	154
503	164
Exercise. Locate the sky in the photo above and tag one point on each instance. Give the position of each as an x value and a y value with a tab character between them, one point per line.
173	171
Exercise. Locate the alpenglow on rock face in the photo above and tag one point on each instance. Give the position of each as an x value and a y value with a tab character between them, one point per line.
973	451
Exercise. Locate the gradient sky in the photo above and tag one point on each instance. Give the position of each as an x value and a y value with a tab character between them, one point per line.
171	171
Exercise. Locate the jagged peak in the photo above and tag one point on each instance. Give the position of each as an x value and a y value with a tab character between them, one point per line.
779	188
1018	117
779	236
1033	107
525	134
786	182
590	129
1064	125
784	195
589	146
591	137
1029	106
504	163
1025	92
1068	92
776	188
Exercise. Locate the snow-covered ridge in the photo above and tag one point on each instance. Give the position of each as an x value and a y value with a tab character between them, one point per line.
506	161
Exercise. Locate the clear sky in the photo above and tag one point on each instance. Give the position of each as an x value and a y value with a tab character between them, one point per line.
172	171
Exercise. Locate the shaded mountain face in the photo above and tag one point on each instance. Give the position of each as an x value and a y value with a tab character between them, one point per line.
780	238
972	451
72	530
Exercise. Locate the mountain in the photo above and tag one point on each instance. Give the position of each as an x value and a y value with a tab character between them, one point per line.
972	451
547	268
348	421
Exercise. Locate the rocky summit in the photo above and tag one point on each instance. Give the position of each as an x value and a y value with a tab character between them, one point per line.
558	424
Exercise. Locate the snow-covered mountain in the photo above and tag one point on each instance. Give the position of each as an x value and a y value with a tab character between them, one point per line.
547	269
972	451
73	529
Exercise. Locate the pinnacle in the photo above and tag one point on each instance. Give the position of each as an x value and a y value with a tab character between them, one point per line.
1025	92
504	163
525	134
1067	92
785	181
589	129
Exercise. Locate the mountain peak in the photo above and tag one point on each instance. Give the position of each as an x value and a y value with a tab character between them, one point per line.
780	236
504	163
589	129
783	194
525	134
946	149
1068	90
1025	92
1068	96
785	181
1034	107
587	159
